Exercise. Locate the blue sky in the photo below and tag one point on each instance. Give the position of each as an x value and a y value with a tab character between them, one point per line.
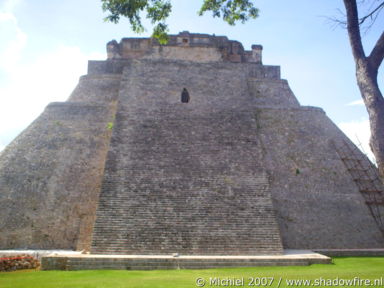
45	46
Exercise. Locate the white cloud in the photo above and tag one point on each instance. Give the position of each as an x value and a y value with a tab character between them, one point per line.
359	132
27	87
356	103
9	5
49	78
12	37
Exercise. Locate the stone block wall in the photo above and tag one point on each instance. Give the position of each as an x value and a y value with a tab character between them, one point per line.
241	168
185	177
318	204
187	47
50	175
271	93
98	88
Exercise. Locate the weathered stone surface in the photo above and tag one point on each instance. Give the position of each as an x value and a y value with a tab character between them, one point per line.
50	177
152	262
192	179
241	168
185	46
317	203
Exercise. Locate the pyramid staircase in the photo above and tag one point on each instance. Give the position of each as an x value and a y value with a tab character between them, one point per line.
366	177
165	223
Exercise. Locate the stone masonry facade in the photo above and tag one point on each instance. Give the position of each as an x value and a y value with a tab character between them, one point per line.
125	167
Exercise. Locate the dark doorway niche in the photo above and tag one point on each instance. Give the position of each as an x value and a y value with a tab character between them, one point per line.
184	96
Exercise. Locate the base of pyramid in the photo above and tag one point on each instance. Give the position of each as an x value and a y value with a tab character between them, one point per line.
161	262
375	252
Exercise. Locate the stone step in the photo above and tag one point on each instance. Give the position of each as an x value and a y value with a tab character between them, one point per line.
188	182
152	262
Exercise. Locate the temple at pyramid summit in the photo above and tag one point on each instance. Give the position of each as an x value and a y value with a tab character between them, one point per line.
194	147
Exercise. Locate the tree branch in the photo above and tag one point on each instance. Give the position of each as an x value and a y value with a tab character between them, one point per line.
354	29
362	19
377	54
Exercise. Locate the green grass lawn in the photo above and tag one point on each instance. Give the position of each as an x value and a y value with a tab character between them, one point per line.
342	268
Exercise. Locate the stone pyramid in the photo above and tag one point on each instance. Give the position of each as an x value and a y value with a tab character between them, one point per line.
194	147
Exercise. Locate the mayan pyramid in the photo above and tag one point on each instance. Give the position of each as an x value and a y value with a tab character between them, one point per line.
194	147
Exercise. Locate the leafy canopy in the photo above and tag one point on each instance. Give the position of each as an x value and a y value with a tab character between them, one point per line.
231	10
158	11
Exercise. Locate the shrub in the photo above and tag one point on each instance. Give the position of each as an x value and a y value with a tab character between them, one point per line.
18	262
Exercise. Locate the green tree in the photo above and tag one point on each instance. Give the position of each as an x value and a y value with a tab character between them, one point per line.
233	11
158	11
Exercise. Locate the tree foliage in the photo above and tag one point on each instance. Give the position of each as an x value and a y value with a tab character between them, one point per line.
157	11
230	11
